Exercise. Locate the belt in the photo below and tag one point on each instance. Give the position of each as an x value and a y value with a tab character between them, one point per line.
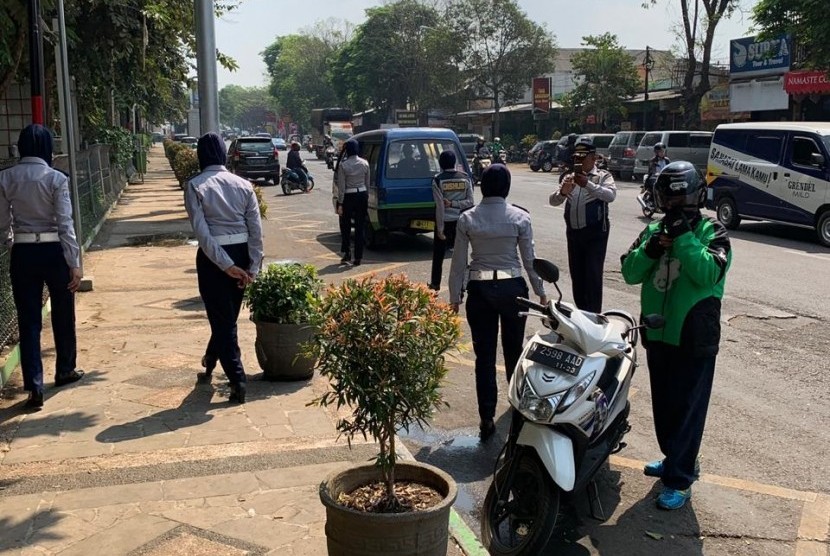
495	274
355	189
37	237
231	239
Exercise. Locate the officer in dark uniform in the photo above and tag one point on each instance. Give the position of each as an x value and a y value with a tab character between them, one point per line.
452	191
586	192
35	207
501	237
224	213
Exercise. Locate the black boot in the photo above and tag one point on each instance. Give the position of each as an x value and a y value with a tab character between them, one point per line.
486	429
347	256
238	392
35	401
209	363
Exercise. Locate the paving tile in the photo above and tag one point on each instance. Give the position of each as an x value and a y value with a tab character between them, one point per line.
284	503
213	485
107	496
57	451
123	537
276	432
192	545
299	476
56	531
265	412
311	546
263	531
164	441
204	518
202	438
311	422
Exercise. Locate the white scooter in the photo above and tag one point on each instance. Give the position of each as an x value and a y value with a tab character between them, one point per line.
569	398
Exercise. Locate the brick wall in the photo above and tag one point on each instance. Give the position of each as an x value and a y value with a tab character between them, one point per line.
15	113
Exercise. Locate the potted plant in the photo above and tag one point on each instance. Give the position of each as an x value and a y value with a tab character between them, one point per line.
282	300
381	344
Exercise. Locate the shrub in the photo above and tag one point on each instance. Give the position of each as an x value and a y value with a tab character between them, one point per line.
284	294
263	206
529	140
185	164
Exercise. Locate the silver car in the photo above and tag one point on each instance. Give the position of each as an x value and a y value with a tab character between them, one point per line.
691	146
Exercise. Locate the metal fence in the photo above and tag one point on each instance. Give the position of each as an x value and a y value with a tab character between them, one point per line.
99	184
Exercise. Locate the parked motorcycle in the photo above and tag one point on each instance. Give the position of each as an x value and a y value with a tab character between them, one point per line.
646	196
330	156
290	181
569	400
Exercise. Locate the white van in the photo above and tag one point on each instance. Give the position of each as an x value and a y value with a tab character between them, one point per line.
777	171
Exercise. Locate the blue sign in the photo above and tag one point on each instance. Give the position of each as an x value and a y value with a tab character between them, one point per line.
750	56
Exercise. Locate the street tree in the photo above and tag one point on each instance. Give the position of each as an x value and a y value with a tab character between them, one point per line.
501	49
805	20
700	19
605	76
245	107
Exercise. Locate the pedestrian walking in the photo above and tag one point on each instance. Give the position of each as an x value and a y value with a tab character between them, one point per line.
681	263
351	193
501	238
586	192
452	191
36	208
224	213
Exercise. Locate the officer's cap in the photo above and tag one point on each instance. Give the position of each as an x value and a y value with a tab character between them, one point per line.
583	147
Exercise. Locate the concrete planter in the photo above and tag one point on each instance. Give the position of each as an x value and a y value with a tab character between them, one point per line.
278	350
353	533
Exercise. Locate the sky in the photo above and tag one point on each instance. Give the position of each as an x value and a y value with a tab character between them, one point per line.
245	32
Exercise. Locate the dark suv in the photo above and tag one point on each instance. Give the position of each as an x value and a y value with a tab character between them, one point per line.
542	156
623	152
254	157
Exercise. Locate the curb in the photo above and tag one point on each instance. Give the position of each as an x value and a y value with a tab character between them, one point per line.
13	358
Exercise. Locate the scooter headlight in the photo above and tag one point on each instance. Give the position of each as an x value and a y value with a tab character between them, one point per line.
538	409
576	391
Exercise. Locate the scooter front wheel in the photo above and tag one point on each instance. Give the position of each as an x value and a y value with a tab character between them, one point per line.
519	518
309	185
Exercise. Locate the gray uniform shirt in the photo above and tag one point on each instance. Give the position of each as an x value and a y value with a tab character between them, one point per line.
220	203
457	188
34	198
498	232
600	187
352	173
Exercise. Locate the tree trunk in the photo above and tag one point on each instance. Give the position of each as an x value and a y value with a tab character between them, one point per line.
496	118
390	473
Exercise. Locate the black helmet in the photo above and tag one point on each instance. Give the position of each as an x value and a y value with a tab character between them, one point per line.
679	185
659	147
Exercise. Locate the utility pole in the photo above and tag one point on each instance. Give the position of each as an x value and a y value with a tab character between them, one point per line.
36	61
206	67
648	65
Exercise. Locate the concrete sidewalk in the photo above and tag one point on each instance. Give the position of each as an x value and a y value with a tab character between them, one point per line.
139	459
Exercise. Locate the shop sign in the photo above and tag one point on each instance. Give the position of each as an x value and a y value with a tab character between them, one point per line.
751	57
807	83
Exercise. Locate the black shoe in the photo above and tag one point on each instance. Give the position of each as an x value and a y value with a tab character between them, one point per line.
35	401
356	262
486	429
209	363
238	392
434	287
69	378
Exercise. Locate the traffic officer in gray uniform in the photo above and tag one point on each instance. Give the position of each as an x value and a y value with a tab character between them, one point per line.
586	192
501	237
35	207
452	191
351	200
224	213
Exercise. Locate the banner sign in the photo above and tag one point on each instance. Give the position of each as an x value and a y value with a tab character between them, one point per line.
750	56
406	118
807	83
541	94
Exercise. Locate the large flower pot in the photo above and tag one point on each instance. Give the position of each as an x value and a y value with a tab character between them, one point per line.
278	350
354	533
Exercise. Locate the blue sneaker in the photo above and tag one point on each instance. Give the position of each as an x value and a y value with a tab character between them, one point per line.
672	499
655	469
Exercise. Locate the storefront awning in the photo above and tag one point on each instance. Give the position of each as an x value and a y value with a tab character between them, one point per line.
526	107
807	82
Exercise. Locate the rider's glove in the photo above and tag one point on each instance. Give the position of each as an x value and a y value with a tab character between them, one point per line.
653	248
676	224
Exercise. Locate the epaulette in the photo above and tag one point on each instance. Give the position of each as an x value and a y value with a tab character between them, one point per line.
520	208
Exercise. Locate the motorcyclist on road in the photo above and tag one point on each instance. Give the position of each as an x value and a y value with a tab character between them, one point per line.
479	146
496	146
660	160
295	163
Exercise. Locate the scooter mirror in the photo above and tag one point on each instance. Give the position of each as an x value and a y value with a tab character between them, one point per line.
546	270
653	322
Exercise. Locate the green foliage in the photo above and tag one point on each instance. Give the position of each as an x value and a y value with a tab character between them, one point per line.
606	76
557	135
805	20
529	140
263	206
245	107
381	343
185	164
121	144
284	294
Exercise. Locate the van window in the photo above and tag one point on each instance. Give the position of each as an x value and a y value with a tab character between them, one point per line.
765	146
602	141
651	139
803	150
371	152
700	141
417	158
678	140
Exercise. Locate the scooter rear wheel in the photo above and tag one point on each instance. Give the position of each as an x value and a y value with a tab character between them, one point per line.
522	520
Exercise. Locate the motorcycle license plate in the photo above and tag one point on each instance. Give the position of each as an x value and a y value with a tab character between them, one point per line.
427	225
556	359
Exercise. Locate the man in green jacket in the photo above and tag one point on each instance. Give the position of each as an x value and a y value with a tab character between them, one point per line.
681	263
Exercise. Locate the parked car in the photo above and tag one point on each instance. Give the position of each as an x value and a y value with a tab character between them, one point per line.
468	143
263	134
279	143
158	137
622	153
691	146
542	156
777	171
179	136
254	157
190	141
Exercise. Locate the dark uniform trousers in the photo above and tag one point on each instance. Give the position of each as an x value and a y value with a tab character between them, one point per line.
32	265
439	251
355	206
680	388
222	297
586	260
488	303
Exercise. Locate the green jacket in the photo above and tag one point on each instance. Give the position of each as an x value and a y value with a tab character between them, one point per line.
685	284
